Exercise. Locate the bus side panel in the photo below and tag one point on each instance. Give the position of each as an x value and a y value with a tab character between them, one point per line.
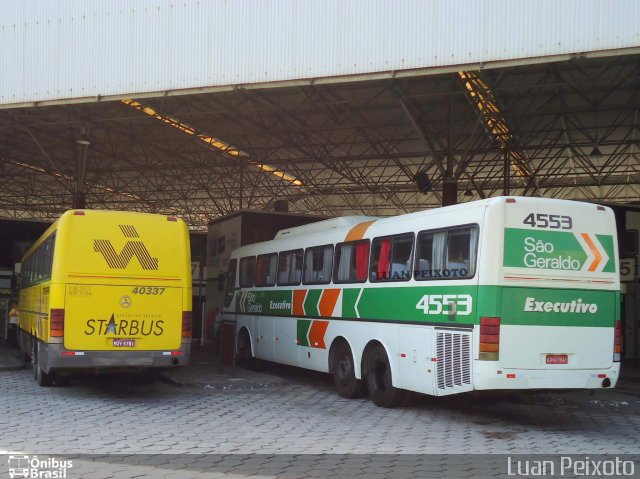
415	365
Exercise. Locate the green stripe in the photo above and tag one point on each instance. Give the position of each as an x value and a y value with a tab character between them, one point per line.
349	296
607	243
311	302
429	304
302	326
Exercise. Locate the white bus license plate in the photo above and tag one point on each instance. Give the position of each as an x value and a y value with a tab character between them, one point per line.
124	343
557	359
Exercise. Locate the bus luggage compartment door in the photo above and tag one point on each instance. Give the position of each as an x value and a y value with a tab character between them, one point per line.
121	318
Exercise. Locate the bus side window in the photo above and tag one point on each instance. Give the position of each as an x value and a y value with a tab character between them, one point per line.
230	286
318	264
290	268
446	254
247	271
391	258
266	269
461	251
351	264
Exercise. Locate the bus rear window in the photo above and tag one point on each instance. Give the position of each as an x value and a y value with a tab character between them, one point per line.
446	254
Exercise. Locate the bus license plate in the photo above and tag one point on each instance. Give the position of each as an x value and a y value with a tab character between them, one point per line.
557	359
124	343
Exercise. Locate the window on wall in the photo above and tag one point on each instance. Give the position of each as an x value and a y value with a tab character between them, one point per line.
266	269
290	268
230	284
391	258
351	263
247	271
318	263
446	254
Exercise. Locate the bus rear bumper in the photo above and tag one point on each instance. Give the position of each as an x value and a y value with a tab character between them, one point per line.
489	375
55	357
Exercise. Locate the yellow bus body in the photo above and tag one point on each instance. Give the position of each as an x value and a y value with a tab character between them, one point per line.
107	289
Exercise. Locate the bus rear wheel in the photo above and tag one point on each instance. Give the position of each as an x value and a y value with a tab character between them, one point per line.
344	374
379	383
42	378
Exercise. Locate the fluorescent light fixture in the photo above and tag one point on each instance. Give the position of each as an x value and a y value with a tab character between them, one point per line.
496	124
211	141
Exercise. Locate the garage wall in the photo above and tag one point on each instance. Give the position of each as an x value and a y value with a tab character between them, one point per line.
75	49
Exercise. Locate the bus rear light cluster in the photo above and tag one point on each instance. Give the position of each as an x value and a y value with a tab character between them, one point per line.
186	324
489	338
72	353
617	340
56	323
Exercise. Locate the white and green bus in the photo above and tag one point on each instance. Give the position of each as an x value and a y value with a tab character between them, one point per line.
504	293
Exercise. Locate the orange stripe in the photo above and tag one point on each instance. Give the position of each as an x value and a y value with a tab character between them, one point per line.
358	231
594	250
328	301
298	301
316	334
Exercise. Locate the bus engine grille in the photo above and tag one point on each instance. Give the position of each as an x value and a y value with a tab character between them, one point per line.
453	360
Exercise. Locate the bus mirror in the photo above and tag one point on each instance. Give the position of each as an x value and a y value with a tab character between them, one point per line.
222	278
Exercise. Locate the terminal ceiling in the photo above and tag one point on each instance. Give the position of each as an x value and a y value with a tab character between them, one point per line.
561	129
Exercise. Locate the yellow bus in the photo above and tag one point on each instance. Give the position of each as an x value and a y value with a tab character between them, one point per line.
106	290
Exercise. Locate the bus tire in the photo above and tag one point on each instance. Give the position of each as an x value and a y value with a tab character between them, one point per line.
379	383
43	379
244	357
343	370
34	358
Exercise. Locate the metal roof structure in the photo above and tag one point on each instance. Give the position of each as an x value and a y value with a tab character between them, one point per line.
551	121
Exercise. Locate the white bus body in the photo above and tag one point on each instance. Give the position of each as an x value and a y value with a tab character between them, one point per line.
504	293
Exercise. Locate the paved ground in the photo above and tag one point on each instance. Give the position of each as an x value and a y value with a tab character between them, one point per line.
265	429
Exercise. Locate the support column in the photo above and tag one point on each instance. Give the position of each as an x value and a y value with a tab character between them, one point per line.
449	192
79	200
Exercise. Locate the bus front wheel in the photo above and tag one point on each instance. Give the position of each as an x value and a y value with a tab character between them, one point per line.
344	375
379	383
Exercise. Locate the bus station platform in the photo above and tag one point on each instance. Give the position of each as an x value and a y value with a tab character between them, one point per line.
10	357
204	371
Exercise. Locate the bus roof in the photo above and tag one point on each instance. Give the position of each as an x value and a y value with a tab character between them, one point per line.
329	230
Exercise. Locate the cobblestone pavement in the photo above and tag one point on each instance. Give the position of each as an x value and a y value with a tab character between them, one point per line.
112	415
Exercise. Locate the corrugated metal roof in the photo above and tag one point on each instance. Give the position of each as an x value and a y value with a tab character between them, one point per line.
73	49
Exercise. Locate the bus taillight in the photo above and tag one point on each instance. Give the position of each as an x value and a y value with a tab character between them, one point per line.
489	338
186	324
617	340
56	323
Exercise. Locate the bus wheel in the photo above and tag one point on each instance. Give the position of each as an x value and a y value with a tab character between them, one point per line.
42	378
344	375
378	379
34	358
243	354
